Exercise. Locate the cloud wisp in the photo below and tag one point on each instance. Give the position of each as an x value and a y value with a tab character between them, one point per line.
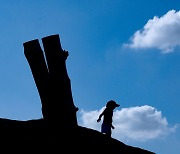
162	33
135	123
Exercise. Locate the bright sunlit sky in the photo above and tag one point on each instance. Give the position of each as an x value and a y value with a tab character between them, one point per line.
125	50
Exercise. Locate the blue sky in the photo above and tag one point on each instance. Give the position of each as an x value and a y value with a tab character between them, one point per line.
121	49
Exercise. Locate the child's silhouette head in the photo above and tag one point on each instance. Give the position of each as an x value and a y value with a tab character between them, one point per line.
112	104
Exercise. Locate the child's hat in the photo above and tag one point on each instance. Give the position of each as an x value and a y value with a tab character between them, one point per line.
112	103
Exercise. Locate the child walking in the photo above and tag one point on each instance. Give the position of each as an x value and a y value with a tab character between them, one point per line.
107	117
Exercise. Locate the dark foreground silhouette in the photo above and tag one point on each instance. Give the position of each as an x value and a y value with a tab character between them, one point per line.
38	135
58	130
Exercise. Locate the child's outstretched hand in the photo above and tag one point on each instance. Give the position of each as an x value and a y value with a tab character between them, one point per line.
99	120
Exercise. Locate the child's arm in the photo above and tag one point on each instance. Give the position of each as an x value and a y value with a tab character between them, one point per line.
99	119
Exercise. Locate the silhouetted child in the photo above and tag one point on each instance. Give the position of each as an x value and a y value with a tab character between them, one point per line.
107	117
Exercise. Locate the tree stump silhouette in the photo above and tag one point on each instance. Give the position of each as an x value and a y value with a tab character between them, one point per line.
50	74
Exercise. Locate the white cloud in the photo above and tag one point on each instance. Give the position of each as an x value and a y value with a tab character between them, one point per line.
135	123
160	32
